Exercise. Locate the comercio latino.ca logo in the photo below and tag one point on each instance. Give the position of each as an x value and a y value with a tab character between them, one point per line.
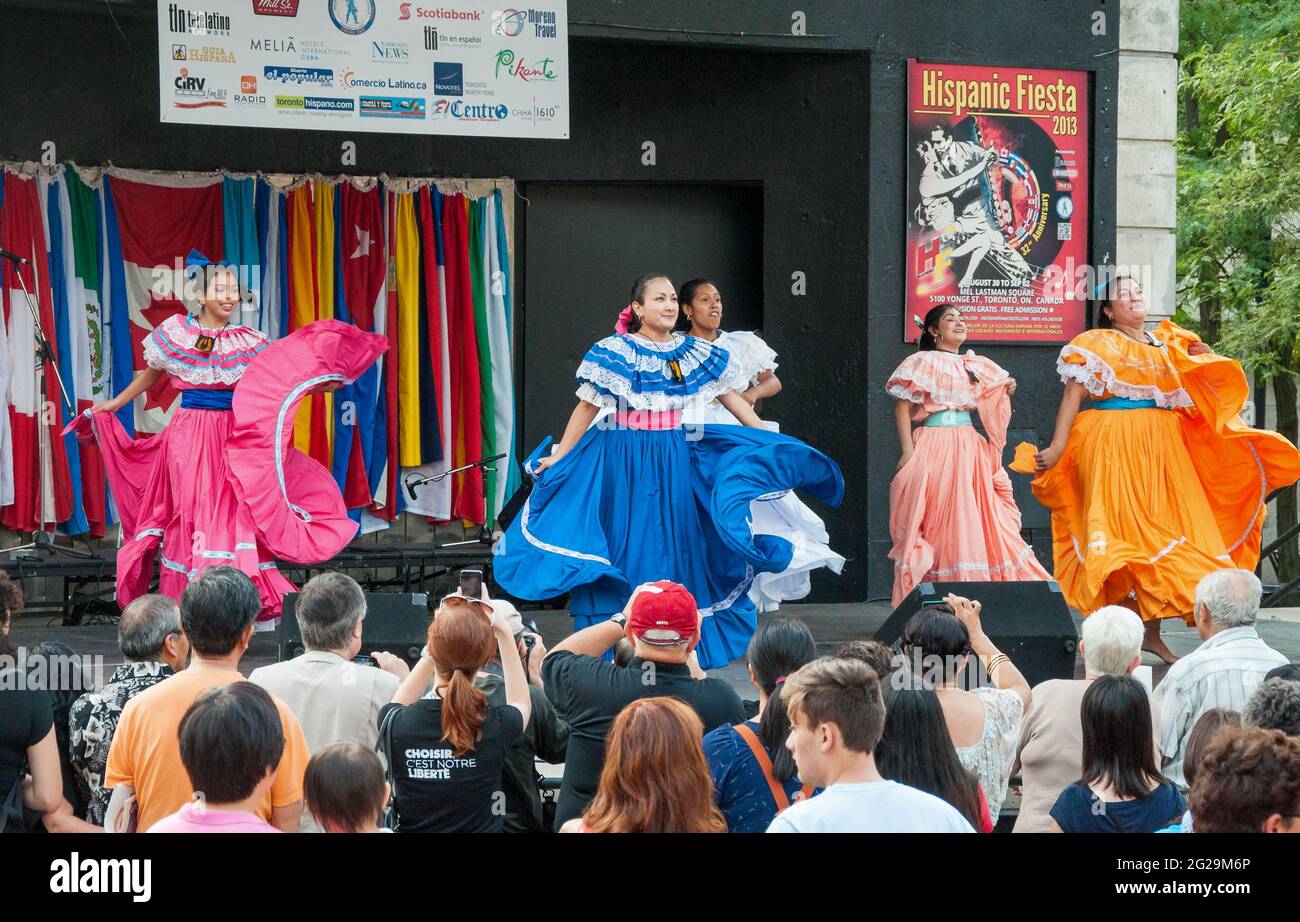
352	17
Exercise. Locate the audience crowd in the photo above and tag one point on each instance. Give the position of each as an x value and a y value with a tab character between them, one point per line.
936	735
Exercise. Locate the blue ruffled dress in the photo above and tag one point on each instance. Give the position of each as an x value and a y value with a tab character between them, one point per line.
629	505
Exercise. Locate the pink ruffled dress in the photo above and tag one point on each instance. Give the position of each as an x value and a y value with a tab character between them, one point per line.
221	484
952	516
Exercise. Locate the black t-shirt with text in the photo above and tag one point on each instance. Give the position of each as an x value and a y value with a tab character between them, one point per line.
589	692
438	791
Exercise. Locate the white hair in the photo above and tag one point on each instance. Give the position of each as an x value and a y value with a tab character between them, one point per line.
1231	597
1112	637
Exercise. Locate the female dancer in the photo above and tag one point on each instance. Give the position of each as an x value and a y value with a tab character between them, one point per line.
951	513
1165	483
221	484
784	514
641	498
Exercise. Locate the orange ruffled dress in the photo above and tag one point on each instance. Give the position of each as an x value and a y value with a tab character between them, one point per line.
952	516
1146	501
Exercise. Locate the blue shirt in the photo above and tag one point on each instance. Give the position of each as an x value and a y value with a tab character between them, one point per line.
1078	810
739	788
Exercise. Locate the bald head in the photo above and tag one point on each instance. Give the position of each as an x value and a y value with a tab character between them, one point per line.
145	626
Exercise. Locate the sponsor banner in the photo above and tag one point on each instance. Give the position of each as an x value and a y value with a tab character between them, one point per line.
997	199
464	67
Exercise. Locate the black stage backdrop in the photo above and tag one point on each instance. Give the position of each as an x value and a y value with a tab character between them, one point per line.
809	129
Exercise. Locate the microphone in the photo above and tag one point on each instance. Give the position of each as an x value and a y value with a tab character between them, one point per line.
410	490
5	254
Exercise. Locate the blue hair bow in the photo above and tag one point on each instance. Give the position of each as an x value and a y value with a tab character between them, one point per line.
196	260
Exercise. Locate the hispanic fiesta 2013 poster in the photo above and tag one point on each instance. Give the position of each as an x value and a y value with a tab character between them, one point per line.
997	199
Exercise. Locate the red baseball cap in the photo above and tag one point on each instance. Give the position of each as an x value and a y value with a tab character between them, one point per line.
663	614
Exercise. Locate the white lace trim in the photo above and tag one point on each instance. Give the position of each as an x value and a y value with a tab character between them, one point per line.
1096	375
301	513
594	376
957	400
1259	506
552	548
918	387
755	356
741	588
154	358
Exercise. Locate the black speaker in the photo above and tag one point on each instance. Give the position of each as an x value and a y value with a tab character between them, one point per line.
1028	621
396	622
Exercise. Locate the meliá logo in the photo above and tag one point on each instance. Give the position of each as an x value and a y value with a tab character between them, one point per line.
512	23
408	10
75	874
287	8
515	66
273	45
448	79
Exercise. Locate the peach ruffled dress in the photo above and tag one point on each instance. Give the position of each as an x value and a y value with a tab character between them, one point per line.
952	516
1160	482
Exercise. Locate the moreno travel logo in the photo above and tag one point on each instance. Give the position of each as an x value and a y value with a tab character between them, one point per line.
392	107
513	23
470	112
510	64
315	104
352	17
408	11
350	81
299	76
286	8
448	79
196	22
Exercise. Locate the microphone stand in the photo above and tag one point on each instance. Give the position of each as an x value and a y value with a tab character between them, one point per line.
412	481
41	539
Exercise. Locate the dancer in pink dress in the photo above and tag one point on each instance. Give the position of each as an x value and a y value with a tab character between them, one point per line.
222	484
951	513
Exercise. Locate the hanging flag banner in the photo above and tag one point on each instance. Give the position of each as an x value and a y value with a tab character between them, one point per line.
477	68
997	200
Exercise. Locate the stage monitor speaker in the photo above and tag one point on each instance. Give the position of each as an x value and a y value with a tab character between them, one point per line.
1028	621
396	622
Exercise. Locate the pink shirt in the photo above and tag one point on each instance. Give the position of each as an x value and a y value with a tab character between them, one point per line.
188	819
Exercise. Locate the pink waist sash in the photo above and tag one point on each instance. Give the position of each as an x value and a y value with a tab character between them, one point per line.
648	419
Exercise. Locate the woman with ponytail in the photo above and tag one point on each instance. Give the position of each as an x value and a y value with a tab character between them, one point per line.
753	771
445	751
952	516
640	497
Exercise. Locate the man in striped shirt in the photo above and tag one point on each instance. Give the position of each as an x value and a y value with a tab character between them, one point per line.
1223	671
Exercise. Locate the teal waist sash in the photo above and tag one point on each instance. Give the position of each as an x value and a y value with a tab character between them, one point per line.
1123	403
948	418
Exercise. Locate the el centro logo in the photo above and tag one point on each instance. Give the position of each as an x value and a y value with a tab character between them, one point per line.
470	112
352	17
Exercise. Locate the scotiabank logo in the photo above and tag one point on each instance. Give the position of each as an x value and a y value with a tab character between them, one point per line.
288	8
408	10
